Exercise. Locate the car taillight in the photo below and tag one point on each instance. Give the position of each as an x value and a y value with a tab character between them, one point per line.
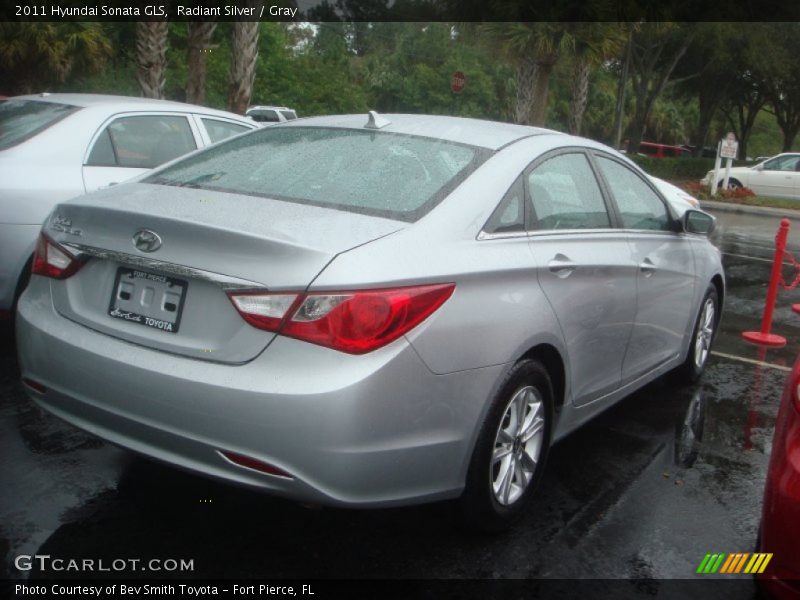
355	322
53	260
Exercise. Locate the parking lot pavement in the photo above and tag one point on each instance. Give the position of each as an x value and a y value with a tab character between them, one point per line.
644	491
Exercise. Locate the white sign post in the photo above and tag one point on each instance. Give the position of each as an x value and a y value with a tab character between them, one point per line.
729	149
715	178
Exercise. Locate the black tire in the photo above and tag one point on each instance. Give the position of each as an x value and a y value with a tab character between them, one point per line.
733	183
692	368
481	508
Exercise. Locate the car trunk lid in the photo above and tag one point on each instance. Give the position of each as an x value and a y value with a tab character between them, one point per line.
207	242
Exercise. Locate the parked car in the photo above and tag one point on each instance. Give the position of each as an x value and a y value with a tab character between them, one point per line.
679	199
55	146
368	311
663	150
271	114
780	520
778	176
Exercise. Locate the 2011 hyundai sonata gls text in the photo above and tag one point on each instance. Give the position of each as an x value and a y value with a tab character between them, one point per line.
368	310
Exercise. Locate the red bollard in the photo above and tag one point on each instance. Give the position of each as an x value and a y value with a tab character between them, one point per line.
764	337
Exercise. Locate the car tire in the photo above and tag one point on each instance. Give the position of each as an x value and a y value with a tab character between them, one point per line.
703	334
510	453
733	184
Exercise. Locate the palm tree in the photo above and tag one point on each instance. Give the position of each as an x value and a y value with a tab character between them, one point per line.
34	56
244	52
533	49
592	44
151	57
199	43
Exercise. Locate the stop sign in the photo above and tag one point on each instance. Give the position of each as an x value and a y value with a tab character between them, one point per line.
457	82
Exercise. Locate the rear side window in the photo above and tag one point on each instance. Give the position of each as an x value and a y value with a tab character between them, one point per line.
639	206
509	216
20	120
142	142
220	130
372	172
289	114
565	194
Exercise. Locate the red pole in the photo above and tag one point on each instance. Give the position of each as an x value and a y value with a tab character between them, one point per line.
764	337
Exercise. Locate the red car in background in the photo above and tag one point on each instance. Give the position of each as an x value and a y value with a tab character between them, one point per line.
780	520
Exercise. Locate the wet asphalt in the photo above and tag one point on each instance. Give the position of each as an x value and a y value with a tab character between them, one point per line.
644	491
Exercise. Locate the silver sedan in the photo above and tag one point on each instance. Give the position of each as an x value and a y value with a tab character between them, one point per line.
368	310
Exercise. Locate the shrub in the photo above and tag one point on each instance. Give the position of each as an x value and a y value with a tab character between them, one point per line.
701	192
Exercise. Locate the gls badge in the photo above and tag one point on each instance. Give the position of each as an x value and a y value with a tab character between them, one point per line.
63	224
146	240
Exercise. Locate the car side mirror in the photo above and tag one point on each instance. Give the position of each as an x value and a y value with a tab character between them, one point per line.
759	167
696	221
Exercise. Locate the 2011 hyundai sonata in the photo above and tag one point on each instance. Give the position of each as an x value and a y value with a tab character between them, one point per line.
368	310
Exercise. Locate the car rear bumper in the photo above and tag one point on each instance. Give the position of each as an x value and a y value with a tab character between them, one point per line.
377	429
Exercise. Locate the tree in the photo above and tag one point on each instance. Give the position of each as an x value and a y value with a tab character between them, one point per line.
533	49
781	78
35	56
244	52
199	44
656	50
591	45
745	99
151	57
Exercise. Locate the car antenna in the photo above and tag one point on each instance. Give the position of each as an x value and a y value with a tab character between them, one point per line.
376	121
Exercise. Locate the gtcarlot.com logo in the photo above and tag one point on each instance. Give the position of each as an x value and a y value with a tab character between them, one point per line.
738	562
44	562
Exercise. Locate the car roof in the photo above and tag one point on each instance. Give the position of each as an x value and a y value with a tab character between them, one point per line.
474	132
265	107
125	103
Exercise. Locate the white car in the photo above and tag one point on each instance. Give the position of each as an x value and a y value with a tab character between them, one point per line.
57	146
264	115
778	176
679	199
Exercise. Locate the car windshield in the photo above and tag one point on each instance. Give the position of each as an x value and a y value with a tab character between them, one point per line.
371	172
22	119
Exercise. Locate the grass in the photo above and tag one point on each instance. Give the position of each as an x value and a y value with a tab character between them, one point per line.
734	198
767	201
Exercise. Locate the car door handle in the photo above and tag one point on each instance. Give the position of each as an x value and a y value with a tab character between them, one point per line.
647	267
561	266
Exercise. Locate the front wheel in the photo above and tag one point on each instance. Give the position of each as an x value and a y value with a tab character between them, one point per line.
705	330
511	450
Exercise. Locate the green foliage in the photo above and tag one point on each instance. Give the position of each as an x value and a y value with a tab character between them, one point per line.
674	169
339	67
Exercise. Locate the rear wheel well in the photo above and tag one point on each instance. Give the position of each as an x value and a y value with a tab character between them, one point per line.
552	361
22	282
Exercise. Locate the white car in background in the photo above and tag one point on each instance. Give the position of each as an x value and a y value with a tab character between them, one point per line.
57	146
778	176
271	114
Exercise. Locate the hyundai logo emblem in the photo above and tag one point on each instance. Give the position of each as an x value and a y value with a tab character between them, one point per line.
146	240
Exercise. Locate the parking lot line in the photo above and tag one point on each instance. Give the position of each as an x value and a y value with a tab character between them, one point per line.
751	361
769	260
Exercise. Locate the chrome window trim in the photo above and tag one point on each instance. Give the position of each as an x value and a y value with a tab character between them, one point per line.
503	235
226	282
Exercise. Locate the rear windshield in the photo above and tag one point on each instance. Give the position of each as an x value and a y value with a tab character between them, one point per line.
22	119
371	172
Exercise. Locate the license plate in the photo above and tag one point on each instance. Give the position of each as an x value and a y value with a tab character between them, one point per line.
149	299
